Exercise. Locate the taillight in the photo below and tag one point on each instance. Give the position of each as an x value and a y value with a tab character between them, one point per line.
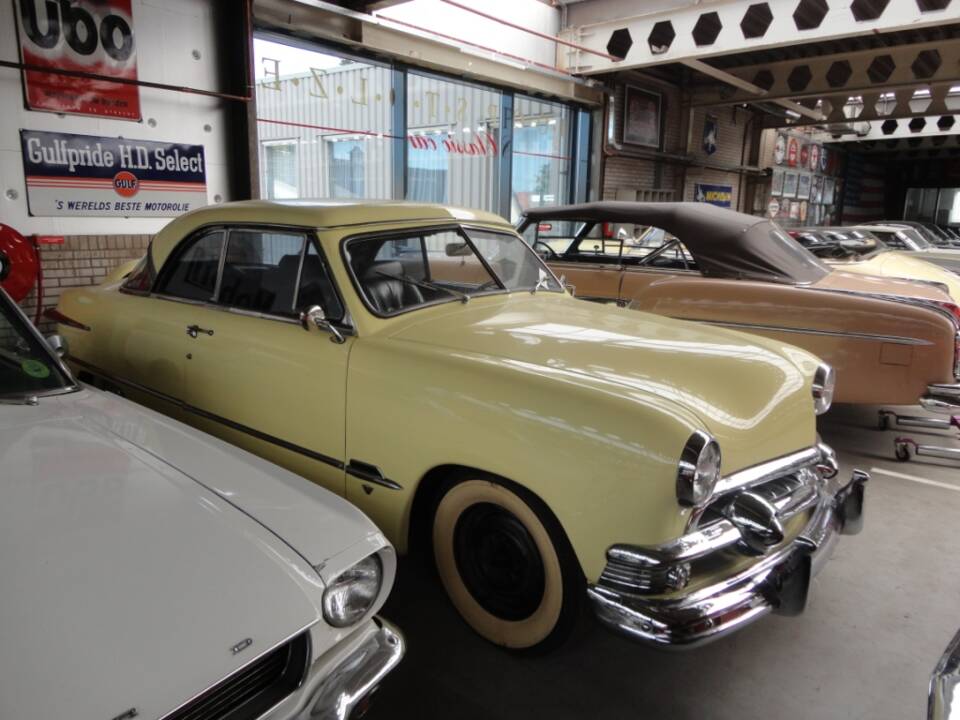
953	309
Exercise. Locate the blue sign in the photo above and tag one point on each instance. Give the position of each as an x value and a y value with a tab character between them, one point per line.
87	175
719	195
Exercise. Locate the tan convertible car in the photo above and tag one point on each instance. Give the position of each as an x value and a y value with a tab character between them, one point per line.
890	341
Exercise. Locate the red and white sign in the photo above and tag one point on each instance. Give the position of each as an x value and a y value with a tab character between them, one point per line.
93	36
793	150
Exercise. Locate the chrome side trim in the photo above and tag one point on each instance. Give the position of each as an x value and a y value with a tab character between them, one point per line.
944	682
253	432
896	339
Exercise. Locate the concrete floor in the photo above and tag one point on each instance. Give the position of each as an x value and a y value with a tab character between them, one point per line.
878	618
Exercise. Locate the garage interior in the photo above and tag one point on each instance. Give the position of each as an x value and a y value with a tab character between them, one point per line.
503	105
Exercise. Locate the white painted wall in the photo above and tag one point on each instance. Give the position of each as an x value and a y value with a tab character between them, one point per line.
166	32
464	25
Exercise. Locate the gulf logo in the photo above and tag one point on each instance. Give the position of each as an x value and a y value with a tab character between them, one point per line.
126	183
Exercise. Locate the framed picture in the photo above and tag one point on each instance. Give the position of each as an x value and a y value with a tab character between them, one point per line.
641	117
803	186
816	188
790	185
828	186
776	182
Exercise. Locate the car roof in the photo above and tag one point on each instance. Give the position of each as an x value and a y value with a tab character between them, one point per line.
724	243
323	214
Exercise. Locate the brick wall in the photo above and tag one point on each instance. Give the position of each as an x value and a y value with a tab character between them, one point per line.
81	260
731	123
625	173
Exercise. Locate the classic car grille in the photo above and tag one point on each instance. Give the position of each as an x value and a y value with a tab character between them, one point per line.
787	492
254	689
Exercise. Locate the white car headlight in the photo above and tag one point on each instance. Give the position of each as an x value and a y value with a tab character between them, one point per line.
824	382
352	593
698	470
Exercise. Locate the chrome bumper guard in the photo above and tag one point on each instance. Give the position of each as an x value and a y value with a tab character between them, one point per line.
776	582
347	685
942	398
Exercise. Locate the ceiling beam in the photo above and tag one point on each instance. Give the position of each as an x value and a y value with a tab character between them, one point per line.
924	127
900	67
703	30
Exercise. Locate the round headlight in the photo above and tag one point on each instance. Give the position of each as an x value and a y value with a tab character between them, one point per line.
352	593
824	382
698	470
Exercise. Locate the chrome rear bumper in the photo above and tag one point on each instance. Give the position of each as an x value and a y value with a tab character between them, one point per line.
778	582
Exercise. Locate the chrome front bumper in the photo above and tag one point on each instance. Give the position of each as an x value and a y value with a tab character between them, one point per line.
942	398
340	680
777	582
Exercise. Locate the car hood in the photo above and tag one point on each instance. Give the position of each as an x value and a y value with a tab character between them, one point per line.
896	264
125	582
751	393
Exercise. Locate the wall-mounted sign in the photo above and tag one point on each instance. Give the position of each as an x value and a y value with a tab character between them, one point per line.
710	134
814	157
793	152
816	188
773	208
641	117
804	156
94	36
111	177
824	159
828	190
776	182
803	186
789	184
719	195
780	149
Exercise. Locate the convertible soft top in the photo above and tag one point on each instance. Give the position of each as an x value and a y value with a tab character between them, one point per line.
724	243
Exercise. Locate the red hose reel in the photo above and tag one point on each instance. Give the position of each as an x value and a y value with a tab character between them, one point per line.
19	263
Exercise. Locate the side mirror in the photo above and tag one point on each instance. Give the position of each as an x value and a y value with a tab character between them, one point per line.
314	318
59	345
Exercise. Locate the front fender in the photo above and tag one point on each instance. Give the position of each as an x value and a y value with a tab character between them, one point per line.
603	458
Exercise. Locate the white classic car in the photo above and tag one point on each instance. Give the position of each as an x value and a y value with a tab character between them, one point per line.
152	571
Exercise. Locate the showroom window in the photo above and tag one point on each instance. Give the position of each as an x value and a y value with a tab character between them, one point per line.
325	124
334	125
453	142
541	160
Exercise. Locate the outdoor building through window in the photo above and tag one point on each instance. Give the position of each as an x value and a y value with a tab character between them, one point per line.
332	126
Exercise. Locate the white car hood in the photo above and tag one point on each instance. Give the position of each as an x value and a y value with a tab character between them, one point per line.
125	582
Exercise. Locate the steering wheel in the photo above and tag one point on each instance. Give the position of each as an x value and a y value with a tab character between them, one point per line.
548	253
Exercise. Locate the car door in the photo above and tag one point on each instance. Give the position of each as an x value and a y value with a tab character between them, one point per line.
148	343
256	376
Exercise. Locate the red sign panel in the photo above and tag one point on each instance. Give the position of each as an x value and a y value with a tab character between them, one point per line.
93	36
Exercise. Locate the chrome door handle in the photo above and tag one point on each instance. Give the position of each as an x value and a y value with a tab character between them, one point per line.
194	330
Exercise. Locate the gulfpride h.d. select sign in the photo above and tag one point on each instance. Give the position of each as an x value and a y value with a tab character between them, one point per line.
98	176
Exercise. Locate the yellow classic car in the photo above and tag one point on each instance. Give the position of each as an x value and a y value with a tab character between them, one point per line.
423	361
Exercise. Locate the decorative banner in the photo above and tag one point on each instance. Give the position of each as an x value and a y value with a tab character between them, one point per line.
710	134
776	182
780	149
94	36
795	210
804	156
111	177
824	159
789	184
803	186
719	195
814	157
803	211
773	208
816	188
793	152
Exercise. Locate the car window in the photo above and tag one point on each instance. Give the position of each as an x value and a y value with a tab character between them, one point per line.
26	367
316	287
401	272
193	274
260	270
890	239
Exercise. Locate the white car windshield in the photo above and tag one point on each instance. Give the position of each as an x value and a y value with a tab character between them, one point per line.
27	367
401	271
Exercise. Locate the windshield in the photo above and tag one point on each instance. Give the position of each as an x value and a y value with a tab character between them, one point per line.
403	271
26	365
914	236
